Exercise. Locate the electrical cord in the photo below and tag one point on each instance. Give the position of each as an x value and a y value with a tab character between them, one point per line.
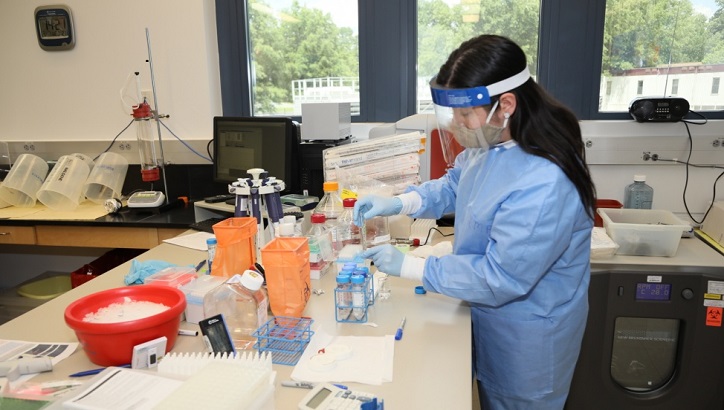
169	130
429	232
689	164
208	150
114	140
184	143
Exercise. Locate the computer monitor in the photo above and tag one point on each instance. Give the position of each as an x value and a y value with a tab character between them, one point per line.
271	143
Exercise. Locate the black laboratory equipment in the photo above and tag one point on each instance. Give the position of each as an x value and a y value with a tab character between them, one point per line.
654	339
311	164
243	143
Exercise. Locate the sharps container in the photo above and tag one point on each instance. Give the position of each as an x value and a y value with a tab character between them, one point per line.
26	176
106	178
62	189
235	246
286	265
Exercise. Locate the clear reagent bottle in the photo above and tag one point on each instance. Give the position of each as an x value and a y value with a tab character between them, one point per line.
243	303
348	232
638	195
331	206
321	254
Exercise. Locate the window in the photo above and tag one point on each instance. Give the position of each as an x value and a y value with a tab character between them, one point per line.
640	87
715	86
303	52
577	49
443	25
676	41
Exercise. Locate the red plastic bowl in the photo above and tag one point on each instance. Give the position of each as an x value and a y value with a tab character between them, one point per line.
111	344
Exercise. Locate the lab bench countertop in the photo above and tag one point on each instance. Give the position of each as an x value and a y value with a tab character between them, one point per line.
432	362
128	228
177	217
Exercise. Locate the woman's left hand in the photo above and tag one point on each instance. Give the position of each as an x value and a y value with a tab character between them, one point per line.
387	258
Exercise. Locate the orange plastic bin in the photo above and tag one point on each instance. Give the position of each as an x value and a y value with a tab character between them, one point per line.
604	203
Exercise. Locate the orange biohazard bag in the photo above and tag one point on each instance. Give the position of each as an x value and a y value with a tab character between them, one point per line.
235	248
286	268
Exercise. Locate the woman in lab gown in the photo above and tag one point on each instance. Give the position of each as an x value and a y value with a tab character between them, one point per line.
523	201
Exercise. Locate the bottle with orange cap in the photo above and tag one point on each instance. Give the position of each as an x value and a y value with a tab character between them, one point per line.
331	207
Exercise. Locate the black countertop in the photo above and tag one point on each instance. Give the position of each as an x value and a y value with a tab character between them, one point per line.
176	216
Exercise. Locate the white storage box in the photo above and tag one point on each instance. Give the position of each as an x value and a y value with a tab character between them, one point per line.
644	232
195	292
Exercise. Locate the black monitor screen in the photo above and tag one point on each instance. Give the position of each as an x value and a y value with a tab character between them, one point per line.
242	143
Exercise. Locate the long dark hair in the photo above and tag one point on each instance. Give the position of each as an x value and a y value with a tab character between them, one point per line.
541	125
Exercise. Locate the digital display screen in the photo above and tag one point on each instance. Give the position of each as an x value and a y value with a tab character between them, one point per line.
653	291
243	143
319	398
53	27
663	104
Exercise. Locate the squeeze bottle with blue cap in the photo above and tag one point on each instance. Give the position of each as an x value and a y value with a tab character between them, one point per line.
638	195
211	246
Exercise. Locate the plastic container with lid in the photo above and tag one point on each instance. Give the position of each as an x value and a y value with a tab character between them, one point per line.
243	303
174	276
195	292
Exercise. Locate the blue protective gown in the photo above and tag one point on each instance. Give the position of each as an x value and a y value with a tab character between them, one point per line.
521	259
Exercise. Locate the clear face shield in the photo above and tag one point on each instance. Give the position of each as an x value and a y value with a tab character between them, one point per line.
464	114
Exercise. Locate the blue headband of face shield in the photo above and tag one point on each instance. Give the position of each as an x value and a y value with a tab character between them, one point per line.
476	96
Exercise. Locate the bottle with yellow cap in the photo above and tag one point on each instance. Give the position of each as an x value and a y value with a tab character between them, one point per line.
331	207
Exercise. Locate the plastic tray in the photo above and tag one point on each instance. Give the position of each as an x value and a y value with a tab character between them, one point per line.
643	232
285	338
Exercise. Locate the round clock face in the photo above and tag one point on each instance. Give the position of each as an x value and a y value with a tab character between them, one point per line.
54	27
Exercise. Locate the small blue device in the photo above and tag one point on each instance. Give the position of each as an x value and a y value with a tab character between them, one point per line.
54	27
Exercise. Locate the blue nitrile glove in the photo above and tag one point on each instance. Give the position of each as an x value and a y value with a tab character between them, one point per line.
387	258
141	270
371	206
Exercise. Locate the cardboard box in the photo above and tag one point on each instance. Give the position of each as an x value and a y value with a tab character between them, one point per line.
714	223
644	232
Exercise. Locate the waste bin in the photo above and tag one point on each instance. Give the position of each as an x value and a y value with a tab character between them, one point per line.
102	264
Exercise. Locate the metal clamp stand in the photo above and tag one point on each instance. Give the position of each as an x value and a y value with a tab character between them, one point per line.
259	191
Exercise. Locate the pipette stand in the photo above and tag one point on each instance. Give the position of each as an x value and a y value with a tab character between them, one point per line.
259	191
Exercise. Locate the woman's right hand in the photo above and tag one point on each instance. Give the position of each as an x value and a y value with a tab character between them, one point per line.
371	206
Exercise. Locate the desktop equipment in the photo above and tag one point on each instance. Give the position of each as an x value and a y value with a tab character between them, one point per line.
311	165
658	109
243	143
653	339
326	121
